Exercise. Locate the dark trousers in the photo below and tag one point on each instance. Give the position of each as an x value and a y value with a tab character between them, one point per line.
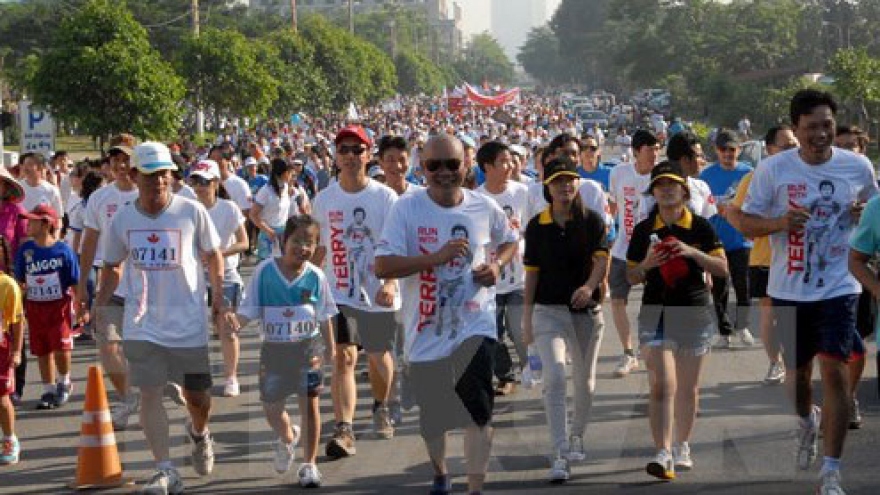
21	372
738	266
508	318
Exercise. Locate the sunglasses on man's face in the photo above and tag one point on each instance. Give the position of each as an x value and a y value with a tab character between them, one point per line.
199	181
591	148
451	164
356	149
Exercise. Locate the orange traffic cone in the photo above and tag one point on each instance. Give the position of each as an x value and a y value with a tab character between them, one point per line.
98	465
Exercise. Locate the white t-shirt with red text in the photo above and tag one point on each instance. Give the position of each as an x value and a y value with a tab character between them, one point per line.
513	201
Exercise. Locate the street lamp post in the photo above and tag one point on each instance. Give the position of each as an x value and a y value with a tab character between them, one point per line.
351	16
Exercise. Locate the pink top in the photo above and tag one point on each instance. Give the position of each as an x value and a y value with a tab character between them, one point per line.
13	228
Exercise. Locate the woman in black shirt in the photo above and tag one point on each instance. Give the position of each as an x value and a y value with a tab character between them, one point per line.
670	251
566	258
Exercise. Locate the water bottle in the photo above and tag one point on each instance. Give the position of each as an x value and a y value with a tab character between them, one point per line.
535	366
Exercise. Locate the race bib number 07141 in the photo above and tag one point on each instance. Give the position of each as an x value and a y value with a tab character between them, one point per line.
155	249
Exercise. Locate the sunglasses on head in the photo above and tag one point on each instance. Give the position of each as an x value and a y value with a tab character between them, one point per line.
434	165
356	149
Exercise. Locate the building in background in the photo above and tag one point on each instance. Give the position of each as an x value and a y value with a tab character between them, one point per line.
444	17
511	21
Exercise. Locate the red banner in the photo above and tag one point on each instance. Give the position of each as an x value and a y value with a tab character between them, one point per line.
508	97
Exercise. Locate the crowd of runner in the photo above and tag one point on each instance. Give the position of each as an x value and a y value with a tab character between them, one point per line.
431	241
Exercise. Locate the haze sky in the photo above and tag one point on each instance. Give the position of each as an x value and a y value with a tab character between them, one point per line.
477	15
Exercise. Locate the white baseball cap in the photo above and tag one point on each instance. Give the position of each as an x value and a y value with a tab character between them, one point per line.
207	169
151	157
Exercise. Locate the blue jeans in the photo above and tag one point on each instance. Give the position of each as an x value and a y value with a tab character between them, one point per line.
508	319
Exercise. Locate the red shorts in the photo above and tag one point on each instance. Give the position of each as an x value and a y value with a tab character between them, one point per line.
7	371
49	326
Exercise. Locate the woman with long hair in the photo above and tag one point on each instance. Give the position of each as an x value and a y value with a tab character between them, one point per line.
273	205
670	252
566	259
229	222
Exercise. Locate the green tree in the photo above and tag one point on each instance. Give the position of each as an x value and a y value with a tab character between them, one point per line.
857	81
418	75
301	84
223	74
484	60
539	56
100	71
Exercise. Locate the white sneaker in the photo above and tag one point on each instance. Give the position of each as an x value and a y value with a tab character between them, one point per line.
285	452
808	441
559	470
175	393
122	411
231	388
830	484
723	342
745	337
662	466
681	456
309	476
627	364
164	482
775	374
202	452
576	451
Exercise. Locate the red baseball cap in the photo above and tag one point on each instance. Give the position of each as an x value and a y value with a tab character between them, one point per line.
353	131
43	212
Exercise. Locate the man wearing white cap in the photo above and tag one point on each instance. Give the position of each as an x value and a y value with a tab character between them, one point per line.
161	237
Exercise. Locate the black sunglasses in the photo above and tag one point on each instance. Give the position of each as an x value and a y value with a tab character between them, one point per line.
357	149
434	165
591	148
198	181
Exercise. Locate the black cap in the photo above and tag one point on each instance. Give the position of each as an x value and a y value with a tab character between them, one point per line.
666	170
559	166
727	139
644	137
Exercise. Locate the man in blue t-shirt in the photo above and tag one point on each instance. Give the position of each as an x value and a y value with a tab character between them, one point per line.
590	167
723	177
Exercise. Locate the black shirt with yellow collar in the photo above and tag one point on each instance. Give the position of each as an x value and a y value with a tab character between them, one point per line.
563	256
690	229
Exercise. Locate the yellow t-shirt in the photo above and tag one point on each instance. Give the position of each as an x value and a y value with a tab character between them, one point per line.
760	255
10	302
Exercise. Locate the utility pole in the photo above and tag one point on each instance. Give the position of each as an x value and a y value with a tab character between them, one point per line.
293	14
200	113
351	16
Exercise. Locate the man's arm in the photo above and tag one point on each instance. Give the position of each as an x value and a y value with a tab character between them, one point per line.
858	266
752	225
108	281
396	266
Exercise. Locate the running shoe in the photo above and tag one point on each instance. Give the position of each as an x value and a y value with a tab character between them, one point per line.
47	401
808	441
175	393
576	452
829	484
396	412
855	415
745	337
122	411
681	456
442	485
723	342
231	388
285	452
62	393
164	482
626	366
662	466
382	426
202	451
309	476
775	374
10	451
559	470
342	443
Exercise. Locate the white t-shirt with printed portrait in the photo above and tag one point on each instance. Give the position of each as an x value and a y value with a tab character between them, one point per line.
444	306
811	265
164	278
513	202
351	225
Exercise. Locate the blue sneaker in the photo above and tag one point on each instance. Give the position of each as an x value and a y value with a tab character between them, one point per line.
9	451
47	402
62	393
442	485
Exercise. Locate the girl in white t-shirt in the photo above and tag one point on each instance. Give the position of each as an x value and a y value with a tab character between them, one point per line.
273	205
229	222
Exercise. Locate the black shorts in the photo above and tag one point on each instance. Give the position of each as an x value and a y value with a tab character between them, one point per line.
154	365
866	314
290	368
758	277
826	327
455	391
374	332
